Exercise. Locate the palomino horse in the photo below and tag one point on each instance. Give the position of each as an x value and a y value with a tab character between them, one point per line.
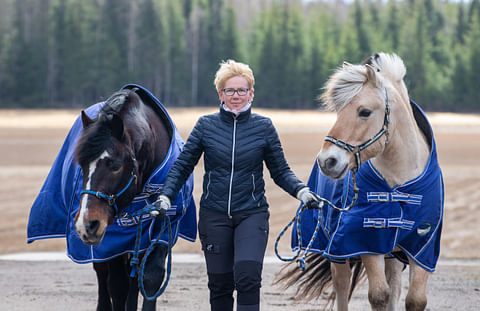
380	170
98	196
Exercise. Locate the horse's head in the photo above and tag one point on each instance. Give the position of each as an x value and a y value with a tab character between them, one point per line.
362	96
109	168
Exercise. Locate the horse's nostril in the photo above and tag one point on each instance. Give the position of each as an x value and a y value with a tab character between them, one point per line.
330	163
92	226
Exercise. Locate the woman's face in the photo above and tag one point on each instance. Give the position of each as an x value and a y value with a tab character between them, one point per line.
236	94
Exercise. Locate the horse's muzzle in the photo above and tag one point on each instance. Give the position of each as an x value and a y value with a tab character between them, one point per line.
333	162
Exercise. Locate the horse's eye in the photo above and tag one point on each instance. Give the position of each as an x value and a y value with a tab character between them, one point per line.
364	113
108	162
113	165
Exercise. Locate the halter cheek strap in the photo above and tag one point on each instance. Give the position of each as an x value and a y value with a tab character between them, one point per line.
357	149
111	198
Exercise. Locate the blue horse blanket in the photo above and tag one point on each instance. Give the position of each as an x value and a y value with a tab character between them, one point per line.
53	211
407	216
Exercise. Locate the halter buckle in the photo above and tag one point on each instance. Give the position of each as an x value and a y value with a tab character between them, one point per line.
111	199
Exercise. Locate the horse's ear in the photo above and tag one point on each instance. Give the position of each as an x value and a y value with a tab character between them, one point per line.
132	96
346	64
371	75
116	124
86	121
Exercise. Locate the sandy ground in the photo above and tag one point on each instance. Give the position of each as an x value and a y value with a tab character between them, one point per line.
30	140
63	285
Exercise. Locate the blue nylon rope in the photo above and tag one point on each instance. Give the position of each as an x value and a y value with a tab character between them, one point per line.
301	261
139	267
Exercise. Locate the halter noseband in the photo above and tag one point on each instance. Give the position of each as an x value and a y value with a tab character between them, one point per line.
111	198
356	149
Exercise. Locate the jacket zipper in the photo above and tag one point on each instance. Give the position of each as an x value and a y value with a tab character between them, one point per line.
208	184
253	190
233	163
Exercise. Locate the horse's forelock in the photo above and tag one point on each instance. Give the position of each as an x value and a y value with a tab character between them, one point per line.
343	85
96	138
93	141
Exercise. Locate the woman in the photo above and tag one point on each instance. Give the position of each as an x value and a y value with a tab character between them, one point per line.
233	222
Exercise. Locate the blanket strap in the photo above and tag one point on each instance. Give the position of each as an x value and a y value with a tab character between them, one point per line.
395	196
381	223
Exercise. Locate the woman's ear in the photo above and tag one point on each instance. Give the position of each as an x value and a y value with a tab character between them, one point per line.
220	96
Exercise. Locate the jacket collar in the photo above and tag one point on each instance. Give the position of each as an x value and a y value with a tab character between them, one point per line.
230	116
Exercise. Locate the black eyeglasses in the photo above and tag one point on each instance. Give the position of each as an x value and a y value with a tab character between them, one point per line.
240	91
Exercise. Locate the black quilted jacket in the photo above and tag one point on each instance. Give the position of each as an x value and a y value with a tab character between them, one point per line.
234	150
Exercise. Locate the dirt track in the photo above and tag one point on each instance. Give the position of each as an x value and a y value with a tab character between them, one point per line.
63	285
30	140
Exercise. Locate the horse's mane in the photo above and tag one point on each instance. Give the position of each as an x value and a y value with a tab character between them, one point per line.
97	137
348	80
390	65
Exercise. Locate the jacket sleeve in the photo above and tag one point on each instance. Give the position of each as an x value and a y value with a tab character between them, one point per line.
185	163
276	163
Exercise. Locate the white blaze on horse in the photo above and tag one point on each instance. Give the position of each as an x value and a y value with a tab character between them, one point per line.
98	194
378	166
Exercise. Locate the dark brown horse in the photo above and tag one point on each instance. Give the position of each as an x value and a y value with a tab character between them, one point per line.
118	151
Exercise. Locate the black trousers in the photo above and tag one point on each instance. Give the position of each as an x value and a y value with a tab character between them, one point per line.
234	249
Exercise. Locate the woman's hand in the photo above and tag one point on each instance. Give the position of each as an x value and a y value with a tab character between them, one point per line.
162	205
309	198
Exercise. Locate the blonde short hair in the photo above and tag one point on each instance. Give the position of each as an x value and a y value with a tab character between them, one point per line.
231	68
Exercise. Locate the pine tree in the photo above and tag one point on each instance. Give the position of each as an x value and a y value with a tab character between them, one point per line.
27	55
268	71
462	27
363	40
392	28
231	41
150	48
473	64
111	46
175	70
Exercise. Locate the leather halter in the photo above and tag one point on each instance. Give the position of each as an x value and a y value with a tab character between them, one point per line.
356	149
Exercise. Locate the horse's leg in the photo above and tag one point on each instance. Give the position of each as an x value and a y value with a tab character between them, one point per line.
341	274
118	281
393	272
378	289
416	299
132	297
103	303
153	274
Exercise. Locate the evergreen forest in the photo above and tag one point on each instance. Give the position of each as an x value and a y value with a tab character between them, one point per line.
73	53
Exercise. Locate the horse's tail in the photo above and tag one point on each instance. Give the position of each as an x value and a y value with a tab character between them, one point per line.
315	281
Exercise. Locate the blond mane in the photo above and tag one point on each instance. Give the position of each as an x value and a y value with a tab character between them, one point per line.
348	80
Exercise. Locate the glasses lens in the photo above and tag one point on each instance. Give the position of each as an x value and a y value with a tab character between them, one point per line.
242	92
229	92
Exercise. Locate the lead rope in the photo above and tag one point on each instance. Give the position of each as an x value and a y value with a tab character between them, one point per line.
352	149
134	262
301	261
